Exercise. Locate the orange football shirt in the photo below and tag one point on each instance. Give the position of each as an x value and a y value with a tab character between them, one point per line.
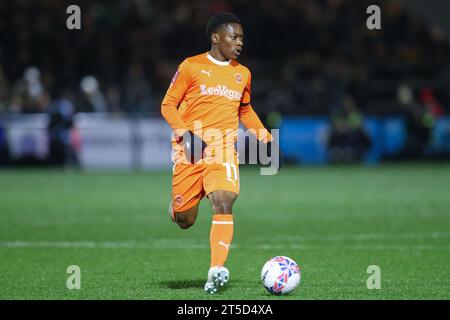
209	93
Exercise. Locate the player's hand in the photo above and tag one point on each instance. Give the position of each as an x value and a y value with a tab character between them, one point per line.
193	146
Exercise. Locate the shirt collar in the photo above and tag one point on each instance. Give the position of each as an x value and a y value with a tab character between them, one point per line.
220	63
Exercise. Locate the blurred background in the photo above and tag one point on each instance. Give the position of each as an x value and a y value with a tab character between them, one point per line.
364	119
339	92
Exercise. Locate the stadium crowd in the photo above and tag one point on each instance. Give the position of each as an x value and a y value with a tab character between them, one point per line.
307	57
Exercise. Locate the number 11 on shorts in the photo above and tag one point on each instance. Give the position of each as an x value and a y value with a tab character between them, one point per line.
229	177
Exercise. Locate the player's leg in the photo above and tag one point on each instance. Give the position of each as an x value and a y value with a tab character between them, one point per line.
222	186
222	201
222	226
220	237
186	219
187	191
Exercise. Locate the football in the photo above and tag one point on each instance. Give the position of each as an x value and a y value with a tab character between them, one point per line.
280	275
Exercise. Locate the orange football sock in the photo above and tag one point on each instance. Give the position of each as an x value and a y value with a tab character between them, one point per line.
220	238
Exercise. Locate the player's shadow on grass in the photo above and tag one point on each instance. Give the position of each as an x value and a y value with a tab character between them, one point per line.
183	284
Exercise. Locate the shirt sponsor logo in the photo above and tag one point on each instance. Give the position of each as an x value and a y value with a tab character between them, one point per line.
220	90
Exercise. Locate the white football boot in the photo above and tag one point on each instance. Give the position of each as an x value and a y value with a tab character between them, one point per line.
217	277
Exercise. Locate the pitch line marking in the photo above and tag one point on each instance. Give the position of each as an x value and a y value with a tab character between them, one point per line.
176	243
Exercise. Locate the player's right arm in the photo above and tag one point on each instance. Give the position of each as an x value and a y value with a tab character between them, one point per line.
169	107
181	81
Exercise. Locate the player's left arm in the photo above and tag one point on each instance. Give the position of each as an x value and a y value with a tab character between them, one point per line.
252	122
248	116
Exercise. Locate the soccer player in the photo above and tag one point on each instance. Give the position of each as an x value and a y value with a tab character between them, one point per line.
210	91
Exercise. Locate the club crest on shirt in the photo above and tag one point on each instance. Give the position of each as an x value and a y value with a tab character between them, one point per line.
238	78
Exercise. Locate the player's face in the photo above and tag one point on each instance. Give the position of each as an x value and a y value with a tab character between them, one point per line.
231	40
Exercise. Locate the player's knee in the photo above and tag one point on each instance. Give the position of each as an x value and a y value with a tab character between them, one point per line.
223	202
185	225
224	206
184	221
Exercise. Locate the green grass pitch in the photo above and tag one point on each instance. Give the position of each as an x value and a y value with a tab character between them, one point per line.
334	221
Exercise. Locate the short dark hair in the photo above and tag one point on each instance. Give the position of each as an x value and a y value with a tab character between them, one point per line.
219	20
